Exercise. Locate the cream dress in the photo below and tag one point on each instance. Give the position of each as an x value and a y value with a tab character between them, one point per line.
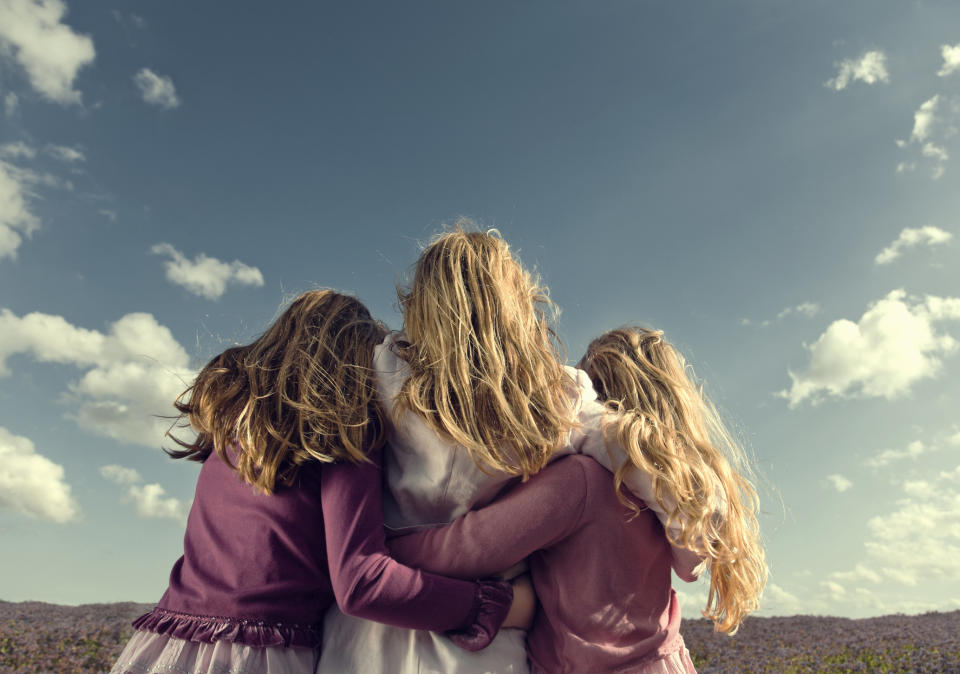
431	481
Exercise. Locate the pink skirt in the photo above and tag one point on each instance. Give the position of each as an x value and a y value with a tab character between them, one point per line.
150	653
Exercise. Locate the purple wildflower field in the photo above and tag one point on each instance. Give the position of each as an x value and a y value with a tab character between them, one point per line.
38	637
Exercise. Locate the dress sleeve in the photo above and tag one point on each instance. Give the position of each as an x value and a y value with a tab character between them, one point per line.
369	584
528	517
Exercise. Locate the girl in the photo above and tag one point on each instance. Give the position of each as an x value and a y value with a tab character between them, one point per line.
477	394
602	572
287	515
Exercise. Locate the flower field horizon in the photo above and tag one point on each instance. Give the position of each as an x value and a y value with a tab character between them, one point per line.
38	637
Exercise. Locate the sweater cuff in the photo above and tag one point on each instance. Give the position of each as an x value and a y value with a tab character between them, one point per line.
491	606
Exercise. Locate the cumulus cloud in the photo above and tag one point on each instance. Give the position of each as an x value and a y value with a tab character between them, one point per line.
893	345
31	483
130	373
16	218
920	539
951	59
65	154
870	68
839	482
33	34
156	89
911	238
206	276
120	474
150	500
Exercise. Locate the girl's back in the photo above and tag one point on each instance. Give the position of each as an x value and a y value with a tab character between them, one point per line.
249	554
606	603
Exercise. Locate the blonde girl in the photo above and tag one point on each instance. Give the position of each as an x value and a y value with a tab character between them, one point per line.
476	394
287	516
671	430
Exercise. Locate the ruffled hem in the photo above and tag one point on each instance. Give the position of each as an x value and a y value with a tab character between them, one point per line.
491	606
150	653
209	629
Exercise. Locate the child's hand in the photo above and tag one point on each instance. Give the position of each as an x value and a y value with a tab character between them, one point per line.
524	605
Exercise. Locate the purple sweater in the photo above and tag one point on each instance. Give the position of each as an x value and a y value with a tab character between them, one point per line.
263	569
603	582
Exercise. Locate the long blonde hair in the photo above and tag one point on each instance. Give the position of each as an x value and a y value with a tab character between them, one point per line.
670	429
485	364
302	391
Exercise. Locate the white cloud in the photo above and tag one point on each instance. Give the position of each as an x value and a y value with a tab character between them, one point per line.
33	34
156	89
132	372
65	154
10	103
934	123
31	483
869	68
17	150
859	573
206	276
150	500
120	475
923	119
920	540
888	456
808	309
894	345
839	482
836	591
935	152
951	59
911	238
16	218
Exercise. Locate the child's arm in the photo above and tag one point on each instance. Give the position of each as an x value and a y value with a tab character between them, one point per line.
369	584
528	517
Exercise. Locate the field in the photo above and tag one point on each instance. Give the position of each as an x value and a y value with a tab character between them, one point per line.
37	637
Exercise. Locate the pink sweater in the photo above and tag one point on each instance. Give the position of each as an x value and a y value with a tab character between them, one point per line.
603	582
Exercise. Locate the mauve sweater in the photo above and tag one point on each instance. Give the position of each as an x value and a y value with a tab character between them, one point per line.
262	569
603	582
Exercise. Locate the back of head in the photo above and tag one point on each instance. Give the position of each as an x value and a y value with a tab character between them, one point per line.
670	429
485	364
302	391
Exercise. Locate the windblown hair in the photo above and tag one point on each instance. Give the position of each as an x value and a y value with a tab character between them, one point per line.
670	429
302	391
485	364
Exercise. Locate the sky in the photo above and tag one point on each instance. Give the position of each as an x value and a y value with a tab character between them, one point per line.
772	183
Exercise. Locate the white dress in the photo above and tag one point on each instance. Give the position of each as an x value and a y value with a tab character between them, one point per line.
431	481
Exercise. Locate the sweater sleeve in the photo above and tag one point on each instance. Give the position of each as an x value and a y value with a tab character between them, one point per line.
369	584
528	517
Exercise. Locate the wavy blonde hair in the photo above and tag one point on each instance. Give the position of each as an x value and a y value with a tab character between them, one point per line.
670	429
485	364
302	391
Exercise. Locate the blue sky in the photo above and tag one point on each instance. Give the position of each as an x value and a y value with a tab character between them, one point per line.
771	183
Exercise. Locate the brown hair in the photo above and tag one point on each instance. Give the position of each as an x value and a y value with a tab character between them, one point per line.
669	428
484	361
302	391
